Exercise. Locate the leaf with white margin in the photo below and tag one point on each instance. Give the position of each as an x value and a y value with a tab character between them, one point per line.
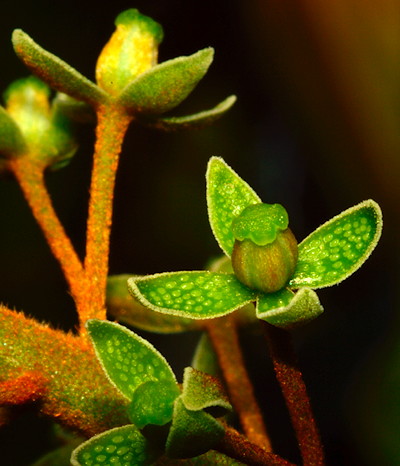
119	446
227	196
197	294
339	247
128	359
164	86
286	309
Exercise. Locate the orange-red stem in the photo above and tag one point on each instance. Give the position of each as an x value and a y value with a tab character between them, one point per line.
225	340
111	128
30	176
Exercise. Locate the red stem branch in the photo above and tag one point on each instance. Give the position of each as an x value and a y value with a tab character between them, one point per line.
294	390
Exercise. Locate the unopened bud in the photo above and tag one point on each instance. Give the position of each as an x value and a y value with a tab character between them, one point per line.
265	253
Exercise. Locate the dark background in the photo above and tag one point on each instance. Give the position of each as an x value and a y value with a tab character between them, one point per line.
316	128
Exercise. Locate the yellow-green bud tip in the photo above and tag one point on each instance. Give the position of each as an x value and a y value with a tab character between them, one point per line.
131	50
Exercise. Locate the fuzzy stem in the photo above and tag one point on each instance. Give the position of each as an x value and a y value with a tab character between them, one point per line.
238	447
294	390
225	340
111	128
30	176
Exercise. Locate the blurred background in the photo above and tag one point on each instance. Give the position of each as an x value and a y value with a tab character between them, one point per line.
315	128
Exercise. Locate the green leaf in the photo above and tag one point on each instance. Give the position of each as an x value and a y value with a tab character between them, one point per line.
120	446
227	196
153	403
197	120
128	360
54	71
339	247
287	309
166	85
192	432
197	295
125	308
12	142
201	391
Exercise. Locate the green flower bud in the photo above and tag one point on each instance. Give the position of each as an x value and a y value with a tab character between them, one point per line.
131	50
45	132
265	254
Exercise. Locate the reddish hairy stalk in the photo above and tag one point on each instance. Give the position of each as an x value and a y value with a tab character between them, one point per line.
111	128
30	176
294	390
59	369
28	387
224	337
238	447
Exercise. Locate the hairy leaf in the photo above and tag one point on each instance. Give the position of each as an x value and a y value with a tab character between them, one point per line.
197	295
128	360
54	71
197	120
227	196
119	446
166	85
339	247
287	309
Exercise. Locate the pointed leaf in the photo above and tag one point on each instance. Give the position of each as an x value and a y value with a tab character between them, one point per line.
201	391
12	142
127	359
122	445
153	403
197	120
227	196
54	71
126	309
197	295
287	309
339	247
166	85
192	432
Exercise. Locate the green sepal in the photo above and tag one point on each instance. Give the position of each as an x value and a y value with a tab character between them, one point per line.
286	309
197	295
202	391
126	309
194	121
153	403
227	196
192	432
54	71
12	142
166	85
122	445
339	247
128	359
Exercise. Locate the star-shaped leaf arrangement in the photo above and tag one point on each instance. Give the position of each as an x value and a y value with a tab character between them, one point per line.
164	419
128	75
269	268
